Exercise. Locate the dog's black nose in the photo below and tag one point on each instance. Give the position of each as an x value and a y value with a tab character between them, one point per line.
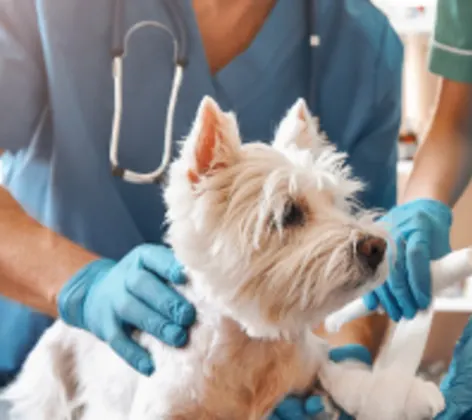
371	250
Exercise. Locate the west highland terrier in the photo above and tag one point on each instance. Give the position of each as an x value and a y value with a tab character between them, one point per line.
273	241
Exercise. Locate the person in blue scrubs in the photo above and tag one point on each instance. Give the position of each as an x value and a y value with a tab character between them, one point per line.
85	245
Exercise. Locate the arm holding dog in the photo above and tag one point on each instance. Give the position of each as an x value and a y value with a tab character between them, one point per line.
35	262
41	268
51	259
90	292
442	166
440	174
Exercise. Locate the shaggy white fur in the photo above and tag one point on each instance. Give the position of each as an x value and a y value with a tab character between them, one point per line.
273	242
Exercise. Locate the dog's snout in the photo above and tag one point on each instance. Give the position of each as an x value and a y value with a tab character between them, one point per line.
371	249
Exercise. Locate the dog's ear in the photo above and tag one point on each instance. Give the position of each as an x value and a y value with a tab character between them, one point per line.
300	130
214	141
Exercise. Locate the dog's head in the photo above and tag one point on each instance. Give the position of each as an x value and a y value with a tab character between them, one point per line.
268	232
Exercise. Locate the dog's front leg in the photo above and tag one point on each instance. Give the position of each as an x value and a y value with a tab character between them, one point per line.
345	382
314	356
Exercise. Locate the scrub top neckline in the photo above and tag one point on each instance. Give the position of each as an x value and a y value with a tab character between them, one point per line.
244	71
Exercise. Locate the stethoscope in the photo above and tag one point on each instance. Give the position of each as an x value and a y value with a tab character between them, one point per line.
180	42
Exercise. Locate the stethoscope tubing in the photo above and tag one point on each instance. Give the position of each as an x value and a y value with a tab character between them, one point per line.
120	41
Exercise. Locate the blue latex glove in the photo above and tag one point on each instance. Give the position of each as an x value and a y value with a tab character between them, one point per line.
111	299
420	230
457	385
293	408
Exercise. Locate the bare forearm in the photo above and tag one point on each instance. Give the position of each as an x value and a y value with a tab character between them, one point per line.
34	261
443	165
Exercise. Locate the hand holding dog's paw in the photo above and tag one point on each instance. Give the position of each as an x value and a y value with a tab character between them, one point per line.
111	299
420	230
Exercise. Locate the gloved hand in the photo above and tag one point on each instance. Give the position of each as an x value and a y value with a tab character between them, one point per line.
420	231
456	386
293	408
110	299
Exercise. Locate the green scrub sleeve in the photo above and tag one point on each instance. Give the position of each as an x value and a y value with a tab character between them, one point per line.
451	49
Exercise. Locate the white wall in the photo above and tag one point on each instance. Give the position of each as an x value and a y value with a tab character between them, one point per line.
419	85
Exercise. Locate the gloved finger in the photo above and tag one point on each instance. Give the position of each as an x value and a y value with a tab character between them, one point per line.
139	315
161	261
351	352
160	297
292	408
418	262
389	302
371	301
314	405
132	353
399	284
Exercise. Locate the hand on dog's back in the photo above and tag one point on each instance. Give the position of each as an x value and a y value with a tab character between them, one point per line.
110	299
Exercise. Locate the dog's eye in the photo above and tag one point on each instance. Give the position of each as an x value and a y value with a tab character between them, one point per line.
293	215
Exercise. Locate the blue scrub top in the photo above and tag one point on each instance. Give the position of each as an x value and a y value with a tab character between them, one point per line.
56	107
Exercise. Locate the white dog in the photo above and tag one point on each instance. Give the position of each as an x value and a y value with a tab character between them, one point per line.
271	246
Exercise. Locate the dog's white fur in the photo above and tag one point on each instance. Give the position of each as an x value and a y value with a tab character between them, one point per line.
268	238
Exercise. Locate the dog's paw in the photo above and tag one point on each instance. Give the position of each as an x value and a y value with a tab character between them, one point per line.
424	401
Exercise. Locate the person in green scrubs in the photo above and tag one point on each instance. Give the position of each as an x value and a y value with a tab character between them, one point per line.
451	50
442	169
